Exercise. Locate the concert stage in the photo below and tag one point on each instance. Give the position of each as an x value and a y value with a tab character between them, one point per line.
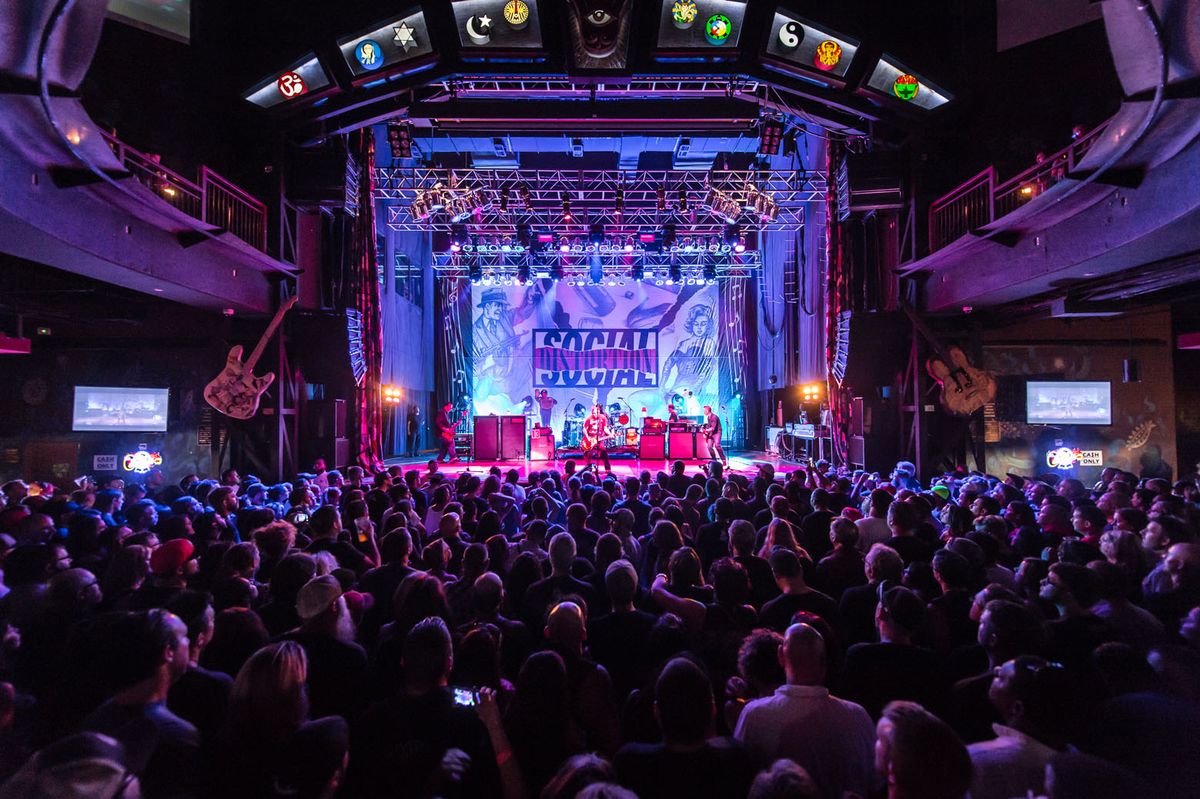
745	463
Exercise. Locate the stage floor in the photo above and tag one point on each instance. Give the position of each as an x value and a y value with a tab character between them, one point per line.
739	462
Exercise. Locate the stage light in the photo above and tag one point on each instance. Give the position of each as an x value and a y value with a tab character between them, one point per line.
811	392
400	139
683	201
668	236
504	201
628	245
524	238
474	271
1027	191
688	245
770	134
710	272
524	194
577	148
458	237
676	274
637	271
563	245
566	206
741	244
596	234
619	207
661	194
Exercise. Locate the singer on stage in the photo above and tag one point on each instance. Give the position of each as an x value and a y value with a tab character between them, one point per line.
596	436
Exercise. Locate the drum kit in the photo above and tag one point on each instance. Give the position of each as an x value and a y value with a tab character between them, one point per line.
618	422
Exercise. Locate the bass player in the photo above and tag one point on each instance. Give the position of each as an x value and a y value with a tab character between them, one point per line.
445	433
712	434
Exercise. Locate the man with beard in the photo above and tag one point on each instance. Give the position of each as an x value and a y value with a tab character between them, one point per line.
337	667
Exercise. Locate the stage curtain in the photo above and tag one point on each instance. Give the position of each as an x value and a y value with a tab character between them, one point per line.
363	289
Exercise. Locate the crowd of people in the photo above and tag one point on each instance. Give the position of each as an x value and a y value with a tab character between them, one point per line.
409	633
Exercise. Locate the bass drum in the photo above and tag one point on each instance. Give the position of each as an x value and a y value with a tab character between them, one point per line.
623	419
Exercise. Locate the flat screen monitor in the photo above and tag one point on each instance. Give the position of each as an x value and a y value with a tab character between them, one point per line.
116	409
1068	402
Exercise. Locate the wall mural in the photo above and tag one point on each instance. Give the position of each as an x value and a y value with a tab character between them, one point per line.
638	345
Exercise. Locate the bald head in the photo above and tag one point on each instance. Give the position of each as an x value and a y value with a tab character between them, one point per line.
565	626
803	655
1183	564
489	591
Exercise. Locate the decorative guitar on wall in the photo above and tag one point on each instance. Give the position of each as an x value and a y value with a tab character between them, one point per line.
964	388
237	390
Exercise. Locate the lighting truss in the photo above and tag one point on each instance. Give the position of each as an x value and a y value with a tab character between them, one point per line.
665	87
767	199
488	265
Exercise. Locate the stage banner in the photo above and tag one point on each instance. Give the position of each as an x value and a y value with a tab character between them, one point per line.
633	346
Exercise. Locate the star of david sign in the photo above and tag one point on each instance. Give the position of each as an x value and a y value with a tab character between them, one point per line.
405	36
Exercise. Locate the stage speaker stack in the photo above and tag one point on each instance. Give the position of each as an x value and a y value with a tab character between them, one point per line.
541	444
487	438
681	441
325	433
512	438
870	349
652	445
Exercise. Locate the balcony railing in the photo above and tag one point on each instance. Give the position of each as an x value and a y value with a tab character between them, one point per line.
980	201
214	200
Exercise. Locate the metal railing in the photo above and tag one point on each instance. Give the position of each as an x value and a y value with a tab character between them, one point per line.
214	200
979	201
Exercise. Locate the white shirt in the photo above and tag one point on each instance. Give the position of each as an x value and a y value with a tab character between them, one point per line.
872	530
834	740
1009	765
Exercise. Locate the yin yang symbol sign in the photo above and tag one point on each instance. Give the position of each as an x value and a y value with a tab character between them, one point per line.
790	34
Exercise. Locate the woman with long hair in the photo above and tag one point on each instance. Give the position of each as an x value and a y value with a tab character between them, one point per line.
268	703
779	534
539	721
127	570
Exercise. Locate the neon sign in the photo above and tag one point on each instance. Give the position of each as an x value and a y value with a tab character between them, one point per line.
1068	457
906	87
827	56
141	461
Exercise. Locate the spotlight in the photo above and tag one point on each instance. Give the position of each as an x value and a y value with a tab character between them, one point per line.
400	139
474	271
710	272
732	234
628	245
668	236
504	201
811	392
458	237
741	244
392	395
683	201
563	246
676	274
566	206
770	135
525	195
620	202
636	271
577	148
596	234
524	238
661	194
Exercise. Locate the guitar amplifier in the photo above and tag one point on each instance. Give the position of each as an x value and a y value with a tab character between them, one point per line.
541	444
653	425
703	452
512	438
682	443
462	445
487	438
652	445
680	427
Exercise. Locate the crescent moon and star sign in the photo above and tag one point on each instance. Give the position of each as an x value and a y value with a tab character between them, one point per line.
479	29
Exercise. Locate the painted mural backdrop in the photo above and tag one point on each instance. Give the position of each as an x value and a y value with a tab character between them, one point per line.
638	345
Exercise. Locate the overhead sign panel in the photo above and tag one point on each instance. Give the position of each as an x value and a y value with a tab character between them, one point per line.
894	80
394	42
700	24
809	46
498	24
305	77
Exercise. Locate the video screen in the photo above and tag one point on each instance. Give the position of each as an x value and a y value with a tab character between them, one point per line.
1068	402
111	409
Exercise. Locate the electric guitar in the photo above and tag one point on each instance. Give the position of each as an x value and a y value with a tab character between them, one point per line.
964	388
236	391
590	440
447	434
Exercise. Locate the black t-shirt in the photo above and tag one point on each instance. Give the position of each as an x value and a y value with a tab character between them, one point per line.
398	743
712	543
910	548
618	642
542	594
719	769
161	748
337	675
762	580
201	697
777	614
875	674
380	583
814	533
347	556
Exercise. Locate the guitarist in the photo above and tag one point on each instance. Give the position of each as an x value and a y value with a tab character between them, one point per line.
595	437
445	433
712	434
